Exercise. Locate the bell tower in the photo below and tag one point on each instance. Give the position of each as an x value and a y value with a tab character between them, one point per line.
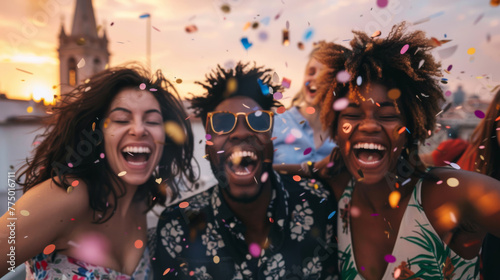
84	51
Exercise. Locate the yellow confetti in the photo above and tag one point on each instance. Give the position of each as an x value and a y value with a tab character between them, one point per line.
394	93
106	123
93	126
471	51
247	25
29	109
70	189
231	86
175	132
25	213
122	173
158	181
452	182
394	198
216	259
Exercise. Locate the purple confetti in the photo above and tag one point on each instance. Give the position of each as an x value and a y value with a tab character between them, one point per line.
307	151
390	258
278	95
208	136
479	114
382	3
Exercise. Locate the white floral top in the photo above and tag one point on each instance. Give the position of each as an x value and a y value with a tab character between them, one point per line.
207	241
61	267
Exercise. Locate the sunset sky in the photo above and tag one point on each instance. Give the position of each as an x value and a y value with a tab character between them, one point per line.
30	28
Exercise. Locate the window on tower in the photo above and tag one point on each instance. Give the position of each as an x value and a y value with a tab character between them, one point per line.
72	75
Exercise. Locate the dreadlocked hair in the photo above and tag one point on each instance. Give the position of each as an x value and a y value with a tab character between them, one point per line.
243	80
380	61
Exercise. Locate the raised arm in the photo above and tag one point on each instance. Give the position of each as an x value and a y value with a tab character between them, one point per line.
41	216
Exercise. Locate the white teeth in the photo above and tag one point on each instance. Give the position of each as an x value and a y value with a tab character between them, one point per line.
136	150
137	163
369	146
240	154
246	172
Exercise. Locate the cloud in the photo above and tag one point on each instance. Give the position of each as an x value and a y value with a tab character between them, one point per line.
29	58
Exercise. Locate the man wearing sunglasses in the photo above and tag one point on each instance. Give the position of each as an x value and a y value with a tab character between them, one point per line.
255	224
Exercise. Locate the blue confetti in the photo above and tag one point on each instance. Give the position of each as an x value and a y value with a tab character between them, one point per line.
308	34
331	215
245	43
265	20
263	88
408	130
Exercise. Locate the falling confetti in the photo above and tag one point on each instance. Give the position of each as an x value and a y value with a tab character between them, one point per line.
495	3
29	109
447	93
138	244
183	204
286	82
394	198
122	173
308	34
166	271
81	63
448	52
390	258
175	132
49	249
210	143
471	51
382	3
216	259
246	44
27	72
404	49
480	114
225	8
394	93
359	80
343	76
263	36
101	155
191	28
278	95
179	81
307	151
254	250
331	215
286	39
376	34
310	110
281	110
452	182
264	177
340	104
25	213
296	178
346	128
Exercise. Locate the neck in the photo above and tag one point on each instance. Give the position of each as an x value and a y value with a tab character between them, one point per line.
377	195
123	203
253	214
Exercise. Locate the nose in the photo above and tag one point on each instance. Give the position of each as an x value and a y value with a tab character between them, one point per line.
137	129
370	125
241	130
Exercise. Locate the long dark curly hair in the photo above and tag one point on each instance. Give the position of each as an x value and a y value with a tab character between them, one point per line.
73	142
379	60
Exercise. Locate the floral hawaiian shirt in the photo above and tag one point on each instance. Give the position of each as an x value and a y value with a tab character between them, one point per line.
206	240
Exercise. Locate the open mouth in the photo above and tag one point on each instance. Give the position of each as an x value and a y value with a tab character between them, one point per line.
242	163
369	154
311	89
136	156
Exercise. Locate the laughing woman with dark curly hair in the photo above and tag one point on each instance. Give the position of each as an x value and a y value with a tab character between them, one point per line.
110	148
397	219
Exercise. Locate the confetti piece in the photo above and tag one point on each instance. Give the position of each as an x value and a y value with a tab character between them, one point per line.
112	23
296	178
343	76
246	44
75	183
289	139
359	80
191	28
276	78
179	81
286	39
138	244
225	8
263	36
449	67
346	128
175	132
394	198
155	28
158	180
81	63
340	104
166	271
448	52
208	136
27	72
401	130
307	151
264	88
286	82
210	143
452	182
404	49
454	165
183	204
70	165
122	173
331	215
216	259
254	250
281	110
471	51
264	176
330	164
478	18
308	34
101	155
25	213
278	95
310	110
397	273
394	93
390	258
301	46
495	3
274	138
382	3
296	132
376	34
49	249
29	109
447	93
480	114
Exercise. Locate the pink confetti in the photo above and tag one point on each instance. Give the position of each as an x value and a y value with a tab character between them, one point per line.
286	82
479	114
439	182
340	104
278	95
264	177
390	258
289	139
447	93
343	76
142	86
382	3
404	49
70	165
254	250
307	151
102	155
156	29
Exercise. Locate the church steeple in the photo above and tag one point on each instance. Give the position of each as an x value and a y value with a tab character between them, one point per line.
84	20
82	53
